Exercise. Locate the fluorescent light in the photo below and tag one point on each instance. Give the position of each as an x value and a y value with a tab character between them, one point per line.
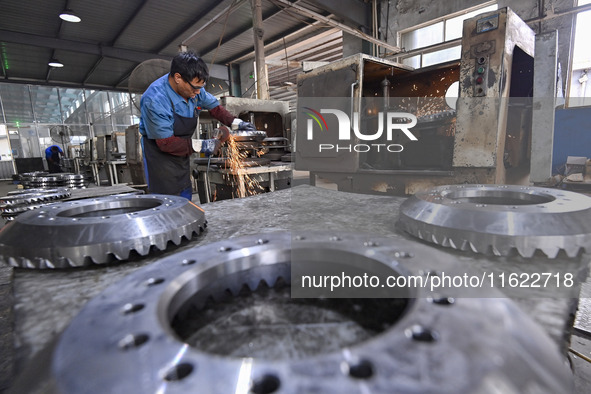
69	16
55	63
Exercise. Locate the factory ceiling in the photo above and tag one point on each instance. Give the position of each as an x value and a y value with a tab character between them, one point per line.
114	36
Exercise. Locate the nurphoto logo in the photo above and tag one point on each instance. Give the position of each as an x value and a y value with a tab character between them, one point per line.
394	122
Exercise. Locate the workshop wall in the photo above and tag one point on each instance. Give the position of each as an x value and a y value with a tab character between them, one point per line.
572	136
403	14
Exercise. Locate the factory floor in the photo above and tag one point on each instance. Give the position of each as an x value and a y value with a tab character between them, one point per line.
579	356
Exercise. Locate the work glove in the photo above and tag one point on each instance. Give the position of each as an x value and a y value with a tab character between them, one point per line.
207	147
239	124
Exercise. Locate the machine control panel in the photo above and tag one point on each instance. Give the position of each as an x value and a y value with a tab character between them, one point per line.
481	53
480	75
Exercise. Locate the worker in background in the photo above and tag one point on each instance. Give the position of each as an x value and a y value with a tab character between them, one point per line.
53	155
169	116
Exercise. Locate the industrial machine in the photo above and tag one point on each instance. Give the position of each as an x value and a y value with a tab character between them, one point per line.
430	131
105	155
255	162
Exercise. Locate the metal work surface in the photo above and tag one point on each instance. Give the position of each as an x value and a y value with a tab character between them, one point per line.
98	231
500	219
46	301
129	339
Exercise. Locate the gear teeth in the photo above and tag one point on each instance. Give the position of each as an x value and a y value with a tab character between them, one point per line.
160	243
88	253
551	251
13	262
142	249
28	263
119	254
572	252
526	251
495	251
70	263
472	247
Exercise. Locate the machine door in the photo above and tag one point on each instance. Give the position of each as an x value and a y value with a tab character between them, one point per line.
317	144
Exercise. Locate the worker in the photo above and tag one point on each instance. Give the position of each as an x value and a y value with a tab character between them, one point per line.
53	155
170	110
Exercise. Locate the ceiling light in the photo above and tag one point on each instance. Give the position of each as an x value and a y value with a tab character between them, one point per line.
69	16
55	63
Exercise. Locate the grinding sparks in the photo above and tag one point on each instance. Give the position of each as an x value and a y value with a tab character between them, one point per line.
247	186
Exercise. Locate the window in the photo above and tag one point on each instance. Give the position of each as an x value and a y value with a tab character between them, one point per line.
579	90
433	42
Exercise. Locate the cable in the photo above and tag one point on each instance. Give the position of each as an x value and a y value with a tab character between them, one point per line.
573	351
223	33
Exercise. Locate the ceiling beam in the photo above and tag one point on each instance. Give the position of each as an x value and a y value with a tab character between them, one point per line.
278	44
356	12
29	81
77	46
268	15
223	13
177	37
355	32
129	21
117	36
94	67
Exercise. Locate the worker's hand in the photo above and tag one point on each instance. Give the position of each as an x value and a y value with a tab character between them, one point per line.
222	134
246	126
239	124
207	147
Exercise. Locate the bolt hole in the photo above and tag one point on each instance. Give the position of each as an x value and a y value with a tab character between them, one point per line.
154	281
428	273
132	308
299	238
133	340
371	243
262	241
421	334
266	384
225	249
443	300
188	262
335	239
178	372
362	369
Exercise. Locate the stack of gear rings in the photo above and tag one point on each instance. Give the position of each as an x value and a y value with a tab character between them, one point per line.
20	201
99	230
128	339
37	180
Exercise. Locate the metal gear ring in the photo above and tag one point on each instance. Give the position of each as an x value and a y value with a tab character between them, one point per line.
500	219
97	231
24	200
123	340
30	196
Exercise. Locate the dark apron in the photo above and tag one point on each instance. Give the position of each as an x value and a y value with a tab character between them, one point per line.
170	174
